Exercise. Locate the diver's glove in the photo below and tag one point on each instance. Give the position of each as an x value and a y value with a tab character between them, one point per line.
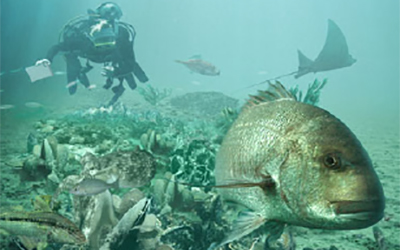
45	62
108	71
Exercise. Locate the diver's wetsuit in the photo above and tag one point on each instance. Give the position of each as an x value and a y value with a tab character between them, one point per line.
120	56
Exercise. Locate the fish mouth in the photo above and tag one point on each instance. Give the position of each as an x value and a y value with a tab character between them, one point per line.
359	210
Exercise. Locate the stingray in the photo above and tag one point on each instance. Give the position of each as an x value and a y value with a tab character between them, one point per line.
334	55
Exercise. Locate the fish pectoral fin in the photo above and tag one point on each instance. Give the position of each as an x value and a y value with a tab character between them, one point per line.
265	183
246	223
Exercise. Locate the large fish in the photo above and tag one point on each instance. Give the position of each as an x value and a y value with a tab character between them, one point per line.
293	163
201	67
46	226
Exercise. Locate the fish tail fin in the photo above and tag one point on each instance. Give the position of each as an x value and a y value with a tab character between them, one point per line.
115	183
275	92
179	61
304	65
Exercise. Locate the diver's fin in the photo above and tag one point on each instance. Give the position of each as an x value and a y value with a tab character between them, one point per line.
304	65
246	223
275	92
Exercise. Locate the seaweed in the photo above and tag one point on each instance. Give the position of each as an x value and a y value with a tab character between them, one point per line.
154	95
194	162
312	94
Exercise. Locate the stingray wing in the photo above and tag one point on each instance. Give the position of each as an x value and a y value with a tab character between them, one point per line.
305	65
335	53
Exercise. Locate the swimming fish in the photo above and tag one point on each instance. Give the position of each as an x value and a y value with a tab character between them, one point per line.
201	67
48	226
88	187
293	163
59	73
6	106
33	105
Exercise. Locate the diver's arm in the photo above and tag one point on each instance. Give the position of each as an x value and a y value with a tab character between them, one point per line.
73	44
53	51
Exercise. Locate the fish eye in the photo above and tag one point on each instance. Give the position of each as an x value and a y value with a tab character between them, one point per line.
332	161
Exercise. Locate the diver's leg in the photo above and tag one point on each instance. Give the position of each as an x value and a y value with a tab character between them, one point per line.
73	70
82	74
84	79
118	91
109	83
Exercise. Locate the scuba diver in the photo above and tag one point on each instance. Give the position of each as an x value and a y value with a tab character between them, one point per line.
100	38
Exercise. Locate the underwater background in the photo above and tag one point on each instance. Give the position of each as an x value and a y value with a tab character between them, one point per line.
178	118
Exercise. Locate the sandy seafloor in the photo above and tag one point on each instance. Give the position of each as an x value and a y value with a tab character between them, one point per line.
381	140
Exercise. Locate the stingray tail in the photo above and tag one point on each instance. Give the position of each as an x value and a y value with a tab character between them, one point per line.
267	81
305	64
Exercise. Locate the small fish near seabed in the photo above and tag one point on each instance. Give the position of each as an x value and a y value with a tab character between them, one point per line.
45	226
33	105
197	65
6	106
293	163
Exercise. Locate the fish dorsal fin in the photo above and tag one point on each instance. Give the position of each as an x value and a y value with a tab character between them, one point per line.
195	57
275	92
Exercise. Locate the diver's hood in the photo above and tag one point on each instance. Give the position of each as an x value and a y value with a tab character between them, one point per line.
103	34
